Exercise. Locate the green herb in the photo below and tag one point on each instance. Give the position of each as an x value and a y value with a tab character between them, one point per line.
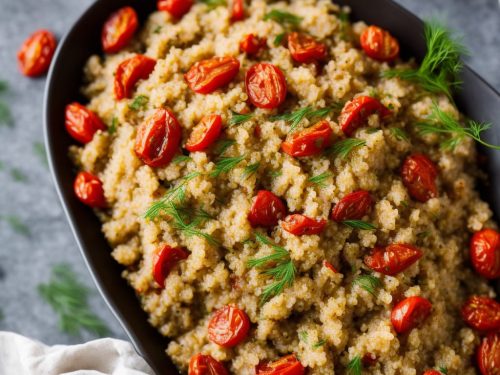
222	146
443	370
439	70
282	270
239	118
39	150
69	299
367	282
319	180
279	39
16	224
424	234
226	164
113	126
344	24
214	3
250	170
355	366
18	175
304	336
405	203
283	17
319	344
139	103
372	130
373	93
181	158
296	117
157	29
399	134
344	147
274	174
442	123
359	224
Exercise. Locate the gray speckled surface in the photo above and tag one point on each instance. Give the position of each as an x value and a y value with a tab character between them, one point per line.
25	261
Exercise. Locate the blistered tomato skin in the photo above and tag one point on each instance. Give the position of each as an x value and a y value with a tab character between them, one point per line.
305	49
88	188
119	29
356	112
288	365
228	326
35	55
352	206
166	259
419	175
205	365
158	138
267	209
81	123
129	72
177	8
300	225
482	313
266	86
379	44
205	133
252	44
485	253
488	355
409	313
310	141
206	76
393	259
237	10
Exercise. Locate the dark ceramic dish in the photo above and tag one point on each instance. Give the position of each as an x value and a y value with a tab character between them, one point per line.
477	100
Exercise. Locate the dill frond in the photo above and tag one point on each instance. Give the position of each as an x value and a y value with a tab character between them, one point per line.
319	180
367	282
222	146
250	170
139	103
239	118
283	17
296	117
344	147
211	4
181	158
355	366
226	164
359	224
279	39
399	134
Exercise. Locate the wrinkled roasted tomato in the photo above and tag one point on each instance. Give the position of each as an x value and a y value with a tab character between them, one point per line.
205	365
266	85
379	44
228	326
36	53
267	209
409	313
419	177
81	123
237	10
356	112
305	49
206	76
485	253
300	225
488	354
88	188
352	206
288	365
252	44
310	141
129	72
119	29
166	259
205	133
177	8
482	313
392	259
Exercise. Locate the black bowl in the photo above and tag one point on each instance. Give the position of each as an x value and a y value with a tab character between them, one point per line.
478	100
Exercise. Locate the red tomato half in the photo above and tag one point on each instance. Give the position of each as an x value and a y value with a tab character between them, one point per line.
166	259
266	85
393	259
267	209
482	313
356	112
228	327
419	177
310	141
352	206
252	44
330	266
288	365
158	138
205	365
177	8
238	10
300	225
88	188
81	123
205	133
488	355
206	76
305	49
35	54
485	253
129	72
432	372
119	29
409	313
379	44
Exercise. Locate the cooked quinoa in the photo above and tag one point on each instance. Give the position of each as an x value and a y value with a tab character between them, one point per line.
325	318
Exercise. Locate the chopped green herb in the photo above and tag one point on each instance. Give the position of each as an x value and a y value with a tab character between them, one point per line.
139	103
113	126
443	370
222	146
157	29
303	336
239	118
274	174
250	170
319	180
372	130
367	282
18	175
359	224
226	164
16	224
399	134
214	3
279	39
39	150
355	366
283	17
344	147
405	203
296	117
422	235
181	158
319	344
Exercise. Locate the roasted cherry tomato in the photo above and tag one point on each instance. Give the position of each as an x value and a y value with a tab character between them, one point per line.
238	10
419	176
352	206
305	49
81	123
393	259
482	313
488	355
310	141
432	372
158	138
206	76
356	112
177	8
205	133
267	209
252	44
166	259
369	359
330	266
302	225
288	365
36	53
228	327
129	72
266	85
88	188
205	365
119	29
379	44
409	313
485	253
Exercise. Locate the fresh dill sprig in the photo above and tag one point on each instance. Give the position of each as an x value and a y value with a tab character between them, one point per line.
283	17
113	126
274	174
443	370
222	146
16	224
367	282
214	3
359	224
139	103
239	118
355	366
69	299
279	39
441	122
296	117
226	164
39	150
319	344
18	175
319	180
399	134
250	170
304	336
439	70
344	147
181	158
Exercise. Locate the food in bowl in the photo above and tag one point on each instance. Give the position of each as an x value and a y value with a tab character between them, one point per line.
286	194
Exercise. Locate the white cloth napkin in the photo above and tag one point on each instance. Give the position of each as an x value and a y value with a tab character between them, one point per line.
22	356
